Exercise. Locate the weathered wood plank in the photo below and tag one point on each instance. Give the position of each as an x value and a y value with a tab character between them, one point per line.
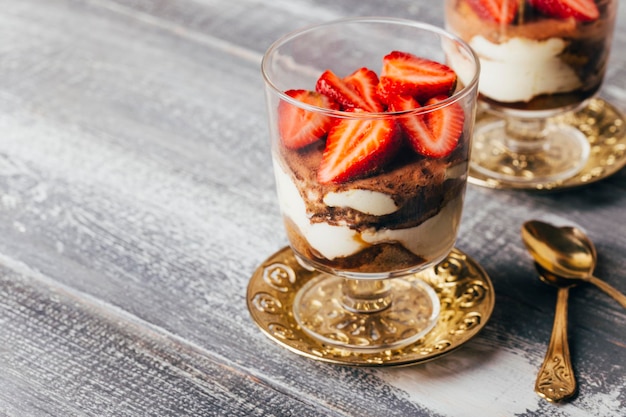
66	354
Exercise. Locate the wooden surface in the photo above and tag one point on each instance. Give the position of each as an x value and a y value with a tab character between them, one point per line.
137	198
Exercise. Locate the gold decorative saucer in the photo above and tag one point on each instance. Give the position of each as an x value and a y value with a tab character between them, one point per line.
605	129
465	291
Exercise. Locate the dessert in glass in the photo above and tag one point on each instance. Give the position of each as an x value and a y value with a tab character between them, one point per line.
539	59
370	138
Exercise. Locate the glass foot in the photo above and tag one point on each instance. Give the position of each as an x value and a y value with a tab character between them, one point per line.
563	153
602	125
366	315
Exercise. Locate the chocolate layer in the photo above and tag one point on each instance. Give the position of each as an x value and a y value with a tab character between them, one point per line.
382	257
418	186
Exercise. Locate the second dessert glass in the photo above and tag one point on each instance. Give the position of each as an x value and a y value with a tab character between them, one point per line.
539	60
364	209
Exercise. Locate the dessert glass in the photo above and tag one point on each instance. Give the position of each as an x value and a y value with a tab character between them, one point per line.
539	60
364	235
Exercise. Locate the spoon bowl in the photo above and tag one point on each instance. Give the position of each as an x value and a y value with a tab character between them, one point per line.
555	280
560	250
565	253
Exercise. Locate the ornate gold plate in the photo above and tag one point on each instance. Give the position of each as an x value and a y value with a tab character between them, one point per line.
605	129
464	290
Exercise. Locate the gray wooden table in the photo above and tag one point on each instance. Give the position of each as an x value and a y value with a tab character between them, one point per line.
137	198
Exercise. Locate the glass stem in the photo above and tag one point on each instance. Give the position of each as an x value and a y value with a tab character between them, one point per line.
525	135
366	296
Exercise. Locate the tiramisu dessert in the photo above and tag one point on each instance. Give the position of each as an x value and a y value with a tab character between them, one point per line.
371	168
536	54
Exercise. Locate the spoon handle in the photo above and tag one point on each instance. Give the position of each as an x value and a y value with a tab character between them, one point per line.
607	288
556	380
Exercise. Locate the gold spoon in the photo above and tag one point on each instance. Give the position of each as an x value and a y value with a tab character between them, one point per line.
565	253
564	257
556	380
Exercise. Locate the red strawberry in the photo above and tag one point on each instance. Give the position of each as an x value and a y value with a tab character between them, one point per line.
299	127
434	134
404	74
582	10
499	11
356	148
344	92
365	81
414	126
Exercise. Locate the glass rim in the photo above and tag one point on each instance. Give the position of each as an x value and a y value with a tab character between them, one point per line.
456	96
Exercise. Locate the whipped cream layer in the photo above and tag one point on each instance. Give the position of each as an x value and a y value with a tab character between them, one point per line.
430	240
520	69
365	201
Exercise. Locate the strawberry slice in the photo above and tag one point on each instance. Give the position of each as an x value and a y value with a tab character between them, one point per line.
299	127
499	11
434	134
356	148
446	126
346	92
404	74
581	10
365	81
414	126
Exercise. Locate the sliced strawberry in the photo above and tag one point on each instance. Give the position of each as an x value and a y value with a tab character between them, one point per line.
299	127
434	134
499	11
342	91
446	126
356	148
582	10
404	74
365	81
414	126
